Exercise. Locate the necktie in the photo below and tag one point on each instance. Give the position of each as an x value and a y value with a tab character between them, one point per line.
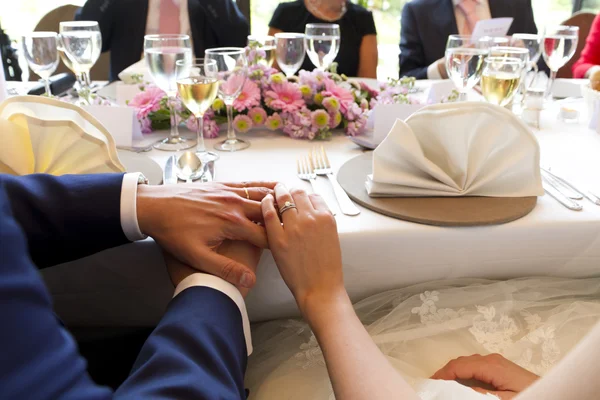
468	8
169	17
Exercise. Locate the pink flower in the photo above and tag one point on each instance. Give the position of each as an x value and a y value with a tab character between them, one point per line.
258	116
211	129
147	101
146	125
284	96
248	98
370	91
357	127
332	104
242	123
320	119
345	96
336	120
298	125
274	122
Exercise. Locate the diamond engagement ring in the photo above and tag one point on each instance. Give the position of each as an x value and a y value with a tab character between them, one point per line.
287	206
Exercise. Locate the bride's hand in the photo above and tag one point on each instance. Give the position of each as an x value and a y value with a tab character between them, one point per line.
505	376
306	247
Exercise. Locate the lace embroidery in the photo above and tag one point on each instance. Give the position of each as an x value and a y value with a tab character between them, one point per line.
544	338
429	312
311	354
493	333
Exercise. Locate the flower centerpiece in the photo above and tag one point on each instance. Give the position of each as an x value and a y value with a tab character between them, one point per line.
309	106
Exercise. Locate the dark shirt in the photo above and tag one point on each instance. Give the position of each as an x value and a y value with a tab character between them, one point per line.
354	25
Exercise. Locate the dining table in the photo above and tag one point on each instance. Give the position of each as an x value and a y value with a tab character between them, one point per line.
128	286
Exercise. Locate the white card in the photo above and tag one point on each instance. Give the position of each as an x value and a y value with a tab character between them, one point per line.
3	88
440	90
594	118
120	122
386	116
491	27
125	93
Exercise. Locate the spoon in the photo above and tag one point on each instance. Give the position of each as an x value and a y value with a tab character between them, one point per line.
190	167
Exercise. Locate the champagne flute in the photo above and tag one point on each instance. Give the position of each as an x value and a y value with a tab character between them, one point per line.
464	62
42	55
290	51
162	53
322	43
500	79
560	43
233	70
81	42
198	86
265	43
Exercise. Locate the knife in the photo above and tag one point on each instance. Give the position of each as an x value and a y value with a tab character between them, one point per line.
587	194
169	177
551	190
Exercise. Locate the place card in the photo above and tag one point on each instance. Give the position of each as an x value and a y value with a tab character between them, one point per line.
3	87
121	123
125	92
439	91
491	27
595	117
385	117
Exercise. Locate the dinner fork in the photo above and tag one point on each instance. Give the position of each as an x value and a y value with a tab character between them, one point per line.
323	167
305	172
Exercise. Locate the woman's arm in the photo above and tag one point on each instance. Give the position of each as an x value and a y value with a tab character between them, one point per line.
369	56
590	56
307	251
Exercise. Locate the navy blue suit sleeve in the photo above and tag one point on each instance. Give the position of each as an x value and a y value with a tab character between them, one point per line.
101	11
412	55
68	217
198	351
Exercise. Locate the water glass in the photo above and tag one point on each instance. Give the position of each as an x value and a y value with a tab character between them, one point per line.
322	44
161	53
81	42
290	51
559	46
464	62
266	44
232	67
501	79
41	52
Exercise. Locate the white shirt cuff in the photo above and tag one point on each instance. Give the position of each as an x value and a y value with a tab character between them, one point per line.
211	281
129	221
433	72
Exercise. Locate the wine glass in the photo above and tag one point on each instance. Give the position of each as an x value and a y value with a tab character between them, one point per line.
464	62
233	70
322	43
290	51
162	53
513	52
265	43
559	45
533	43
501	78
81	41
198	86
42	55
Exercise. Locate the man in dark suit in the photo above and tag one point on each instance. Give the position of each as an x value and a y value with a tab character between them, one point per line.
123	24
426	25
198	350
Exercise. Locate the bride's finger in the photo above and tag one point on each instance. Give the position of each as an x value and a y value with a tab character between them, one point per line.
271	218
284	197
318	203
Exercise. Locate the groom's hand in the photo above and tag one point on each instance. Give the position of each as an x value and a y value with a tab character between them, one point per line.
505	376
192	221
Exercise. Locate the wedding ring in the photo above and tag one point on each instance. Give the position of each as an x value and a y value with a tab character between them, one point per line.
247	194
286	207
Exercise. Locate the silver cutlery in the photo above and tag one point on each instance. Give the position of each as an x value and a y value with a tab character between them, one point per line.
323	167
190	167
306	173
561	187
136	149
558	196
581	193
169	177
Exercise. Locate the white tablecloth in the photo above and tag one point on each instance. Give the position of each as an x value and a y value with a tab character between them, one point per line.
128	286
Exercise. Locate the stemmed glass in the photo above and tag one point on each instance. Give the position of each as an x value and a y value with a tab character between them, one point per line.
514	52
559	45
501	79
464	62
265	43
81	42
322	43
42	55
162	53
233	70
198	86
290	51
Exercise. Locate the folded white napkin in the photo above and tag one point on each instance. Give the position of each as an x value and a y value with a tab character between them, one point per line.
41	135
457	149
139	68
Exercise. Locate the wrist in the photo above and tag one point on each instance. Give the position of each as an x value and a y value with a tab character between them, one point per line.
147	208
318	308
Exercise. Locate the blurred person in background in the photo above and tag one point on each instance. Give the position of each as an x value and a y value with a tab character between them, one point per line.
589	61
358	45
426	25
123	23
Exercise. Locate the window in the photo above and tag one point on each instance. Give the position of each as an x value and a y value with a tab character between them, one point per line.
551	12
591	6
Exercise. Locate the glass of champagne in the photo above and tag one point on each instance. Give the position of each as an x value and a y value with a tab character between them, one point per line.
233	70
161	53
42	55
290	51
464	62
81	42
322	44
500	79
265	43
198	86
559	45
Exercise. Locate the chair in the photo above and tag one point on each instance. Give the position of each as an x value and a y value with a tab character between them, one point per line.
584	21
51	21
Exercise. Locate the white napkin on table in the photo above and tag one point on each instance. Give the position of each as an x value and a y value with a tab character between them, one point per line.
139	68
457	149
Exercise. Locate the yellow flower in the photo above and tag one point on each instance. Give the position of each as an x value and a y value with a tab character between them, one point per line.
305	90
278	78
318	98
218	105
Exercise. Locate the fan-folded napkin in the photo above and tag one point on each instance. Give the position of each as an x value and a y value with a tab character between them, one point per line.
457	149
